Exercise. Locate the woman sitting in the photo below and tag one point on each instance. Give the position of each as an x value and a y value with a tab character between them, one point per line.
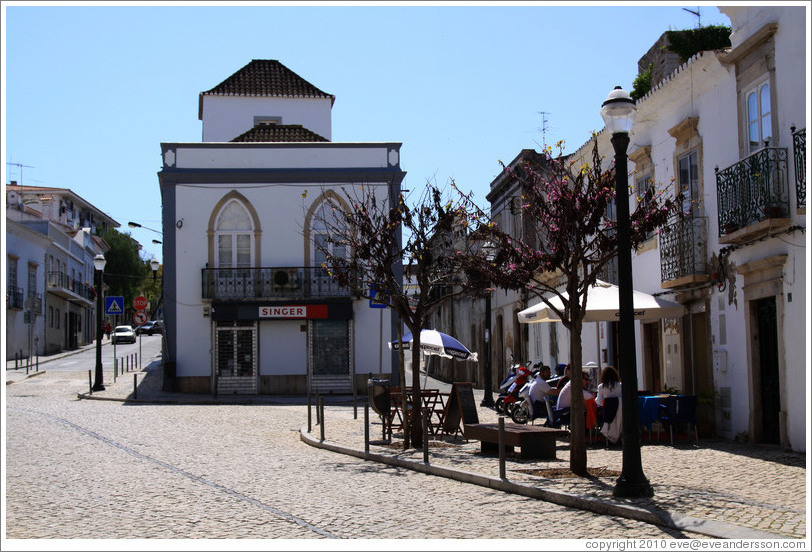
610	386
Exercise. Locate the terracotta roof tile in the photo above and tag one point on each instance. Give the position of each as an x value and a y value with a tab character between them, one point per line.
279	133
267	77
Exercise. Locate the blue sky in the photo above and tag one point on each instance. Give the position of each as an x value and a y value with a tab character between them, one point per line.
90	92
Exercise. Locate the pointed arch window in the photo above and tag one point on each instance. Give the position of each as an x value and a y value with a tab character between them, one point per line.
234	231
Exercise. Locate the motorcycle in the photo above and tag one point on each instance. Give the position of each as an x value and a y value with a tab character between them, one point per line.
511	397
503	388
520	413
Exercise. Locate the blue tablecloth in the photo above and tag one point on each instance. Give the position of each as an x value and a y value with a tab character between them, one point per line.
649	409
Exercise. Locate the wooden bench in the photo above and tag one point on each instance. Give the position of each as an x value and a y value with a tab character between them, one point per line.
535	441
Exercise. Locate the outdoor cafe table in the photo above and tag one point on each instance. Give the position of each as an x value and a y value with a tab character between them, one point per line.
649	409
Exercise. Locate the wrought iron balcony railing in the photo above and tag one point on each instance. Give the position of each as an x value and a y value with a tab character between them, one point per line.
34	302
799	151
683	252
753	190
15	297
69	287
270	283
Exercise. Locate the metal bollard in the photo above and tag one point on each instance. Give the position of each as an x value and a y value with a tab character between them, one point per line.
318	411
309	415
90	381
135	386
425	435
501	447
366	428
16	360
37	362
321	417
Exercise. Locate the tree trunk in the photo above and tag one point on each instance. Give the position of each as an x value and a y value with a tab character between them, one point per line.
415	423
577	414
402	358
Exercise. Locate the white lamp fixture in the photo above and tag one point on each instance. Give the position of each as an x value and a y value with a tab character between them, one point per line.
619	111
99	262
154	264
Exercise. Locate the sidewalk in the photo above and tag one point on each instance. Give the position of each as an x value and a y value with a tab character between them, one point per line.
717	488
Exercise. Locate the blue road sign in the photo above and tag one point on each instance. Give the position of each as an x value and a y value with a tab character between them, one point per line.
373	304
114	305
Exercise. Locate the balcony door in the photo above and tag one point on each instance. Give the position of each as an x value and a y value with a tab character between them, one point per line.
234	236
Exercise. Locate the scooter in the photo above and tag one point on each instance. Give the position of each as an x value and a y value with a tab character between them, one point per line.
511	399
503	388
520	413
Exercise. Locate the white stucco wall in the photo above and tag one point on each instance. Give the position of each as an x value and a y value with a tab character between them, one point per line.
226	117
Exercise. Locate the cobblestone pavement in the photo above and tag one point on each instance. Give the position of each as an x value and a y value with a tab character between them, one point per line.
122	468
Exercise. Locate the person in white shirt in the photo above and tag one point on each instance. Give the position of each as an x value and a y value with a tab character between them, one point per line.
610	386
564	396
539	388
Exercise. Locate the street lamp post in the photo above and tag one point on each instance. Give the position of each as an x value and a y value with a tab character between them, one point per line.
487	400
619	112
132	224
98	263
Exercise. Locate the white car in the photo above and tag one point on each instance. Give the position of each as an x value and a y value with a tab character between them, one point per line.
123	334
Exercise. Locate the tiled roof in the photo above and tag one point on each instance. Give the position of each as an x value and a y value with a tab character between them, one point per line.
267	77
279	133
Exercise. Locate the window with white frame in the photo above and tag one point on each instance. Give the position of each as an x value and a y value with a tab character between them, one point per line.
234	236
688	175
758	114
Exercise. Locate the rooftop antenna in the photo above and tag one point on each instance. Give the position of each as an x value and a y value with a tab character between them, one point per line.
697	14
544	126
21	169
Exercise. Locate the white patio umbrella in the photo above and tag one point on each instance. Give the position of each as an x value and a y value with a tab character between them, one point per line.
602	304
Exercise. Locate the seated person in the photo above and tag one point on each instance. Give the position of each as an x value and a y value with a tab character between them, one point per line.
563	381
610	386
564	396
539	388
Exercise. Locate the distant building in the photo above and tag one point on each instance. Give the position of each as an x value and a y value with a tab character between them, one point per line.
248	307
51	240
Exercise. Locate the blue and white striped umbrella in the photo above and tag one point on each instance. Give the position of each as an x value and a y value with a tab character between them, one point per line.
433	342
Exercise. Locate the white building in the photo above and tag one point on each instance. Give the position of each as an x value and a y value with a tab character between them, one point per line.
50	244
248	308
727	128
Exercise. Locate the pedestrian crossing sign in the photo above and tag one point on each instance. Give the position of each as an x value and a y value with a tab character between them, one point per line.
114	305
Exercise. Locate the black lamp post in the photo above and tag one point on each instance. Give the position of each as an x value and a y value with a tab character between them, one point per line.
487	400
98	263
154	264
619	112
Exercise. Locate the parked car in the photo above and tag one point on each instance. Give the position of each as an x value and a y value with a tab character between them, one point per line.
148	328
159	326
123	334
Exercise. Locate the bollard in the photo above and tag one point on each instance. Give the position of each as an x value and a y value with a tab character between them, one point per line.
309	415
366	428
321	417
318	412
16	359
501	447
90	381
425	435
115	371
37	362
135	386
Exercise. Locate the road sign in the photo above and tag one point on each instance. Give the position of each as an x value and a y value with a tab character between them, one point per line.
140	303
140	317
114	305
373	293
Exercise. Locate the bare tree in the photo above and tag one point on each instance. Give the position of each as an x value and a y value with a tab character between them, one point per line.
371	238
568	241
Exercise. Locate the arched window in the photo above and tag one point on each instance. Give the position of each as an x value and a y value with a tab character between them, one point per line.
233	236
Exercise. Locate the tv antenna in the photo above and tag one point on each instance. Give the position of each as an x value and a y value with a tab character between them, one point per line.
21	169
697	14
544	126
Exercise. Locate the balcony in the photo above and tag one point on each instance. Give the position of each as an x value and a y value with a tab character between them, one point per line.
283	283
753	197
15	297
683	253
62	285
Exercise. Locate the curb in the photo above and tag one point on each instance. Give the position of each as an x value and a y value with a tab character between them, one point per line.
27	376
679	522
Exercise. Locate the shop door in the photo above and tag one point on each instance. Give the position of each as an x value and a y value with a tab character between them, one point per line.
768	369
235	360
330	355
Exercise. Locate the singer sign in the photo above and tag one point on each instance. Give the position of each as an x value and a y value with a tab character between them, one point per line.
293	311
